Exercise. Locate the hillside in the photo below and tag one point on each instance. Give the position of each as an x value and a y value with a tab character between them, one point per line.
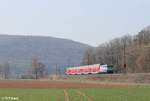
19	51
128	54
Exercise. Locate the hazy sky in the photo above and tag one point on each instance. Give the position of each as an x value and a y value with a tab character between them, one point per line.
88	21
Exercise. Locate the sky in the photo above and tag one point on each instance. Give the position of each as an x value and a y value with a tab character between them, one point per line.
88	21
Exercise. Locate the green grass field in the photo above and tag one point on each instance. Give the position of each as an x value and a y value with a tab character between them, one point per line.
139	93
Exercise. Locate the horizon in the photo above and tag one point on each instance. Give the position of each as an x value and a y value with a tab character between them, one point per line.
45	36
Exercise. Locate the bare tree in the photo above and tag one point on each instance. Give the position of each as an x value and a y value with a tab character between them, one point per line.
89	57
127	53
38	68
5	70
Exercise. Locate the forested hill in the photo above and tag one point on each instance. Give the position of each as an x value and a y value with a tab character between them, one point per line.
132	51
19	51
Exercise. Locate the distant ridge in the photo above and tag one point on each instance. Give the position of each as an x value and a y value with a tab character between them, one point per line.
19	50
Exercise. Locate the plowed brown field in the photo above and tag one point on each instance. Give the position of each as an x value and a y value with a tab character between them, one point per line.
56	84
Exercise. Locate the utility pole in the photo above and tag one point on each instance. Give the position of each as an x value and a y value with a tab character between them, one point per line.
56	69
88	59
68	62
59	71
124	56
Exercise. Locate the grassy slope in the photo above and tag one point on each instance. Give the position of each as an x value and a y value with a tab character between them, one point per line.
122	94
141	93
34	94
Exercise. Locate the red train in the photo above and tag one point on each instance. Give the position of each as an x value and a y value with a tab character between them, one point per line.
89	69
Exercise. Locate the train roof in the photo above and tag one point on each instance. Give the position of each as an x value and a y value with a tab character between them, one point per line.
83	66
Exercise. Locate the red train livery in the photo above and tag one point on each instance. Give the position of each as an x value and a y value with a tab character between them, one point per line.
89	69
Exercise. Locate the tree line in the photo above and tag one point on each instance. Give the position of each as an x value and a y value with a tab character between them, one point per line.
36	71
4	70
130	53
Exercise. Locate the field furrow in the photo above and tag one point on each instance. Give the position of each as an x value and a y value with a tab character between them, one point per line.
83	95
66	95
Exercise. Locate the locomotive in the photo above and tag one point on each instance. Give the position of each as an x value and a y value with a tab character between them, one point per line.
90	69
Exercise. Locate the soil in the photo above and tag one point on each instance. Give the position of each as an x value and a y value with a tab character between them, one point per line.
56	84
